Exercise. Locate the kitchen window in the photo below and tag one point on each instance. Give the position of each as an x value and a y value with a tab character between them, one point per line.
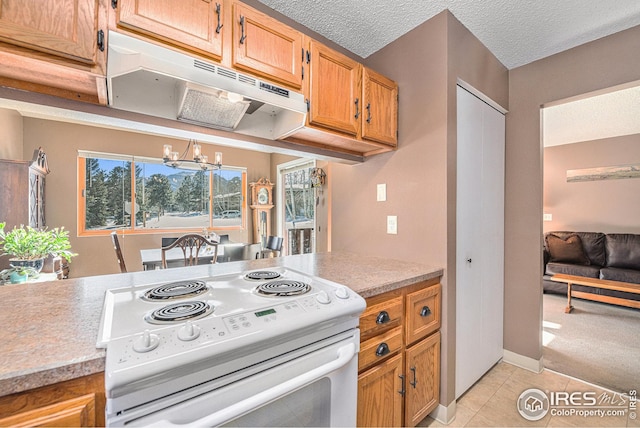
165	198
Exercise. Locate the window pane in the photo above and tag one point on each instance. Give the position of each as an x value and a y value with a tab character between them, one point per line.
171	198
227	198
107	194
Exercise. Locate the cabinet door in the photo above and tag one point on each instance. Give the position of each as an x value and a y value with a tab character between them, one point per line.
335	91
76	412
192	24
65	28
379	396
380	108
423	379
266	47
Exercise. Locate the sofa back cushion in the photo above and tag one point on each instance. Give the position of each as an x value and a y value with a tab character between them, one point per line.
592	244
566	249
623	250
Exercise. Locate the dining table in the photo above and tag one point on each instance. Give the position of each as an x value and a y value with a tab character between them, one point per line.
229	252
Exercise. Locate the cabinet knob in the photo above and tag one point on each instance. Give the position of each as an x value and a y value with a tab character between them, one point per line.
382	350
383	317
425	311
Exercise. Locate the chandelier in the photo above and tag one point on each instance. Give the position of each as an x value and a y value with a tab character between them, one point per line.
199	161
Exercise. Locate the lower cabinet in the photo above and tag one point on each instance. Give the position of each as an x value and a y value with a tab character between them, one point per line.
399	359
75	403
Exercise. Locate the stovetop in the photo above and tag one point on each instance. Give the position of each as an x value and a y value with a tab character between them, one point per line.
130	311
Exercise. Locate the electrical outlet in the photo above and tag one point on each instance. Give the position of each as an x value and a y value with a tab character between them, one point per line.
547	217
392	224
382	193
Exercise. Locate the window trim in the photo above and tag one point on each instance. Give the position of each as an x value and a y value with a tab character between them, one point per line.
132	230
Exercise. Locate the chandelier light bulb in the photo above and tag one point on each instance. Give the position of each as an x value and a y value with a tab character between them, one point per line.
166	151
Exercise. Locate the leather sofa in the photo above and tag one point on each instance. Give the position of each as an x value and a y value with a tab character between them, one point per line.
613	256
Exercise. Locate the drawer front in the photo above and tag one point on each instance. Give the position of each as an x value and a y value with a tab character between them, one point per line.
381	317
423	313
379	348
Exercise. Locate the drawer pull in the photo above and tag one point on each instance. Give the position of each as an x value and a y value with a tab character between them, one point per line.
415	380
382	350
383	317
425	311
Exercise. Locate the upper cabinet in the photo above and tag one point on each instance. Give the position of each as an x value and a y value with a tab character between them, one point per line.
62	28
335	97
380	108
192	24
266	47
352	108
63	40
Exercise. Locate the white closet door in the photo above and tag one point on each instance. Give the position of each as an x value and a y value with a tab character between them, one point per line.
480	239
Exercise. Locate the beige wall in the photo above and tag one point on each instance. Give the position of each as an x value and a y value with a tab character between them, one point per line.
609	206
593	66
11	135
421	175
61	142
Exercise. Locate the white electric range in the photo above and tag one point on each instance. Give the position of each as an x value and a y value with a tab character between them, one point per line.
244	348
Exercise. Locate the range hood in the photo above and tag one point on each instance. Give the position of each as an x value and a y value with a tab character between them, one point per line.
153	80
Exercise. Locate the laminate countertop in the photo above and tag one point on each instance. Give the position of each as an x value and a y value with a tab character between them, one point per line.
49	329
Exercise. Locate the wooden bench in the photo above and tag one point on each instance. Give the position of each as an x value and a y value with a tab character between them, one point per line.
598	283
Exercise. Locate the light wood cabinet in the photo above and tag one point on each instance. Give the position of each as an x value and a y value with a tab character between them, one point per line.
380	108
266	47
196	25
352	109
63	40
75	403
399	359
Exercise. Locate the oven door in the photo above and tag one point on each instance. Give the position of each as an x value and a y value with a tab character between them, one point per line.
314	389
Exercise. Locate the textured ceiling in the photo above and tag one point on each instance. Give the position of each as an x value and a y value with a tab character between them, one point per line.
516	31
602	116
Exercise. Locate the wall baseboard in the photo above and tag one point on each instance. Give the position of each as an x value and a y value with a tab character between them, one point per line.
522	361
444	414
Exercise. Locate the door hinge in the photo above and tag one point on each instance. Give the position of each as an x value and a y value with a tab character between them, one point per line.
114	4
101	40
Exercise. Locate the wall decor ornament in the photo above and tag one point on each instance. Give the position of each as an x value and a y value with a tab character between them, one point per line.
603	173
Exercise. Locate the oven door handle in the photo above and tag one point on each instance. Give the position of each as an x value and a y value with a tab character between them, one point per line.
345	354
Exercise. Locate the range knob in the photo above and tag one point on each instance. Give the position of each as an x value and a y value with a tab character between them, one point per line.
323	298
342	293
146	342
188	332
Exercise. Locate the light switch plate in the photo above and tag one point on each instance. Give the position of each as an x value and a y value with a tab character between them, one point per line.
382	193
392	224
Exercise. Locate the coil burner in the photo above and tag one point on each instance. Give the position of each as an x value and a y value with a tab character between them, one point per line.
178	312
283	288
176	290
262	275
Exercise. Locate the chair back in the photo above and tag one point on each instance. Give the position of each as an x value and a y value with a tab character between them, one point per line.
272	248
116	247
193	246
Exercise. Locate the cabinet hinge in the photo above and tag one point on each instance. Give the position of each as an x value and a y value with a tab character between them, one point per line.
101	40
308	57
308	103
114	3
302	72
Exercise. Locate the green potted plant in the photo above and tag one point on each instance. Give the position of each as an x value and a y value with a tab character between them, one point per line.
18	274
29	247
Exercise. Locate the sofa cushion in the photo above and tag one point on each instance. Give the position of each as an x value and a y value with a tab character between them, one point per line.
566	250
617	274
623	250
593	244
589	271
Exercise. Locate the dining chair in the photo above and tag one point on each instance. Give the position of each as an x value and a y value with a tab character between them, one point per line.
193	246
272	248
116	247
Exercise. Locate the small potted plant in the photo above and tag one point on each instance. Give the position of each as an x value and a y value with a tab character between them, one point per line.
28	247
18	274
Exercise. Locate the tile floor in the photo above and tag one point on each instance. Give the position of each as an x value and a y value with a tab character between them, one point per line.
491	402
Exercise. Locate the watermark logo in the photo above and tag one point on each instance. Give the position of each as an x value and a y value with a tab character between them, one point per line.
533	404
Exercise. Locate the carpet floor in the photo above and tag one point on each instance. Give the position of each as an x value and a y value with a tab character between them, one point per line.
597	342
